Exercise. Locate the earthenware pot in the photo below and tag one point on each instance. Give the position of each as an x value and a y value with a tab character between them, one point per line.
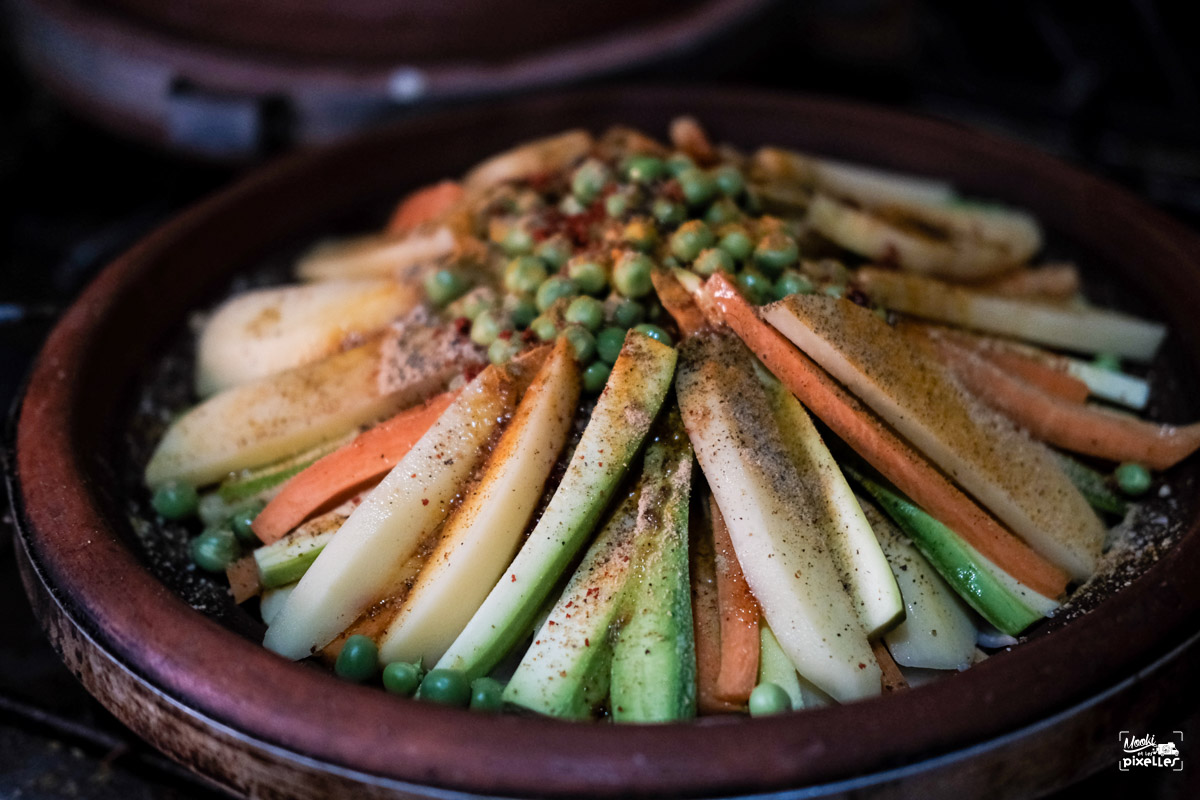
208	695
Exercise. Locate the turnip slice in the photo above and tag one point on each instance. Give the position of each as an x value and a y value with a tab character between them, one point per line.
1116	387
856	551
551	154
1015	477
409	504
1082	329
928	247
866	185
480	538
266	331
937	631
779	525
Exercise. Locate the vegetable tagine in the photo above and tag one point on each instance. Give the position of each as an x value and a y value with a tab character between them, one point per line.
616	428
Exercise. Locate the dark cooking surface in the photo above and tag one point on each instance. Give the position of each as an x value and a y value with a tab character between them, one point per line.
74	197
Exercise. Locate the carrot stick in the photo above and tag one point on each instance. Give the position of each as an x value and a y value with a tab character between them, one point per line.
893	679
1066	387
243	579
706	615
739	618
370	455
1043	372
678	302
911	473
424	205
1083	429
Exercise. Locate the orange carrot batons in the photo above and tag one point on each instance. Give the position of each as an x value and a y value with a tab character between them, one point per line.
370	455
879	445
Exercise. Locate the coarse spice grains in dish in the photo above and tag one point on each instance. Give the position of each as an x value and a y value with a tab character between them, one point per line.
615	428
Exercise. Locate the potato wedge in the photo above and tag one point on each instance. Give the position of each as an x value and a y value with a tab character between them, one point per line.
267	331
778	525
481	537
274	417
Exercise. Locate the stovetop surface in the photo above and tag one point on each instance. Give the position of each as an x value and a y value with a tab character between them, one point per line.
1115	92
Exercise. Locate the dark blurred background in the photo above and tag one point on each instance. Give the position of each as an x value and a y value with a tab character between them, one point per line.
1112	87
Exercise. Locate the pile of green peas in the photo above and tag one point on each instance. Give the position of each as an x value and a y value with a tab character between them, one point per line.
644	212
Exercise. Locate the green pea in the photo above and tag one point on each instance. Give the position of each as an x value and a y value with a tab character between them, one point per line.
654	332
640	234
644	169
554	289
524	274
628	313
358	659
585	311
616	204
446	686
690	238
443	286
729	180
722	212
242	520
589	275
544	328
520	309
517	241
679	162
712	261
697	185
502	350
631	275
1110	362
834	291
595	376
668	212
775	252
212	510
402	677
486	694
571	206
486	327
791	282
582	342
754	285
554	251
588	180
215	549
1133	479
175	500
475	302
738	244
609	343
767	699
